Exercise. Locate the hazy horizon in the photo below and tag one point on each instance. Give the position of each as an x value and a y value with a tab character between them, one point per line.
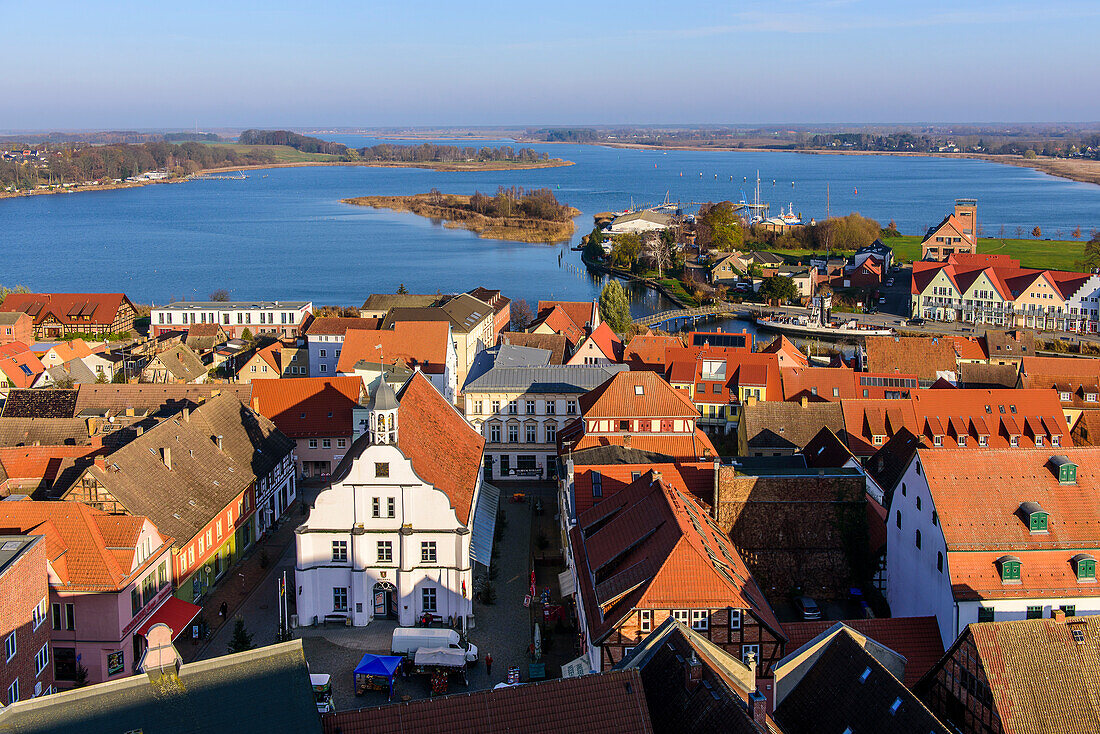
431	64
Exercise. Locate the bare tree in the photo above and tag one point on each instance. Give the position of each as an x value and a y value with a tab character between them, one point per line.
220	295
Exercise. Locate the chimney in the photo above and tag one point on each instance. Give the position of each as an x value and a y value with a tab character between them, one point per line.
805	400
218	441
1060	616
139	430
92	424
101	462
759	707
693	672
255	405
166	456
129	412
626	441
187	415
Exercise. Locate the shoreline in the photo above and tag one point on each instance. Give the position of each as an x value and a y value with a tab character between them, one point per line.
458	167
1081	170
509	229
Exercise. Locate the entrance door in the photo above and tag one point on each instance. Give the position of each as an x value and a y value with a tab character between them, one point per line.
488	471
384	596
505	465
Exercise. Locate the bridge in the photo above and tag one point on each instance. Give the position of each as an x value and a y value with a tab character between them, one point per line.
715	309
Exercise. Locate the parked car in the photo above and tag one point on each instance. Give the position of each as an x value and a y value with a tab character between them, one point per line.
916	321
807	607
890	282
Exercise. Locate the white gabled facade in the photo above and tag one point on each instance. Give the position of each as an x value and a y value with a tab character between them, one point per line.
382	542
1083	306
919	579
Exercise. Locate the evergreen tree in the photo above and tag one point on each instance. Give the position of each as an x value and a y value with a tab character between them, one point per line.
613	307
242	640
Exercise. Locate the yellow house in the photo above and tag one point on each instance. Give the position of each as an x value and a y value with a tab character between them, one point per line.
1039	303
983	301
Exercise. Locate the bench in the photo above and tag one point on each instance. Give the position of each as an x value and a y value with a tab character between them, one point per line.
340	617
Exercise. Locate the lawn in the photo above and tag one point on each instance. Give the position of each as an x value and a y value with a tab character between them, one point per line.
282	153
1054	254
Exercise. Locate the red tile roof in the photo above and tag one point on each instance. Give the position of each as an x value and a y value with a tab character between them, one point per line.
682	446
606	340
68	308
423	343
581	313
923	356
619	397
648	351
652	546
88	550
444	449
308	406
19	365
917	639
789	355
559	321
612	701
339	325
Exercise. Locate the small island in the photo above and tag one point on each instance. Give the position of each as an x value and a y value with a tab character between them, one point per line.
511	214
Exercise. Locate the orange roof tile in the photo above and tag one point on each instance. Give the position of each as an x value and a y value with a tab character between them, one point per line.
637	395
607	341
559	321
685	446
68	308
340	324
309	406
649	350
789	355
19	365
581	313
414	343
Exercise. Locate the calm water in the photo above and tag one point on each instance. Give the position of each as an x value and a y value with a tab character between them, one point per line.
284	234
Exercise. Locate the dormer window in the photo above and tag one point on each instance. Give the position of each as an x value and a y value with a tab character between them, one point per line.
983	440
1090	397
1014	441
1084	566
937	440
1064	397
1035	517
962	440
1064	469
1010	569
1056	440
878	440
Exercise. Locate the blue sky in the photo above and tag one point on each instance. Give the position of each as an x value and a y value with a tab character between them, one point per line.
92	64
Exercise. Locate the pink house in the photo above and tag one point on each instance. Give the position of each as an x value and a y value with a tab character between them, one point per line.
110	579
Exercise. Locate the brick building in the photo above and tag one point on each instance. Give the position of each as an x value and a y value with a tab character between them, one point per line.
23	615
57	315
16	326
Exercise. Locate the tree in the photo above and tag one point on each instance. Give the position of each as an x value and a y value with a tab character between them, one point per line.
221	295
1092	252
891	230
521	315
613	307
718	227
625	250
101	378
849	232
779	288
593	250
247	335
402	290
1036	233
1076	234
241	640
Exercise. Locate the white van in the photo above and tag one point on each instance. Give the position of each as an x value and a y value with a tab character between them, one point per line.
407	640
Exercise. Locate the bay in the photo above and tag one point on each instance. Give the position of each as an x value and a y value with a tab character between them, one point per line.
283	234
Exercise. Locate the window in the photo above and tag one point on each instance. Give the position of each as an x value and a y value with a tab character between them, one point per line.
339	598
700	619
496	406
1086	569
41	659
551	406
529	407
38	614
513	434
9	647
747	650
531	433
135	601
326	443
376	507
162	574
427	551
391	507
1070	609
385	551
878	440
962	440
735	619
322	368
494	433
1010	571
700	388
427	599
513	407
1034	612
477	407
1037	522
985	614
918	539
382	469
597	484
682	615
624	425
939	561
339	550
897	519
645	620
983	440
634	475
324	352
571	407
13	692
716	388
903	489
863	677
935	519
313	443
551	433
341	443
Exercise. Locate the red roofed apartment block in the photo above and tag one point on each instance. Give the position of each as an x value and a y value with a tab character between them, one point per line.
59	314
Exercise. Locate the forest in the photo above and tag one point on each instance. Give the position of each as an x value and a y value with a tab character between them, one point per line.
304	143
430	152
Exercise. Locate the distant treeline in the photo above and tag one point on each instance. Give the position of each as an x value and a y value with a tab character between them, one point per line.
88	163
429	152
104	137
304	143
568	135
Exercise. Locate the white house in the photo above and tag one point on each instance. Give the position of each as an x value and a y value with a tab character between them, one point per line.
280	318
640	222
1083	306
394	534
996	534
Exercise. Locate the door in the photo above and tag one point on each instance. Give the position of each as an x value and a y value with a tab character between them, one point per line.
488	471
505	465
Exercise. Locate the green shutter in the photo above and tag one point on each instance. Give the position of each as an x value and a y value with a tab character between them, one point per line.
1086	569
1038	522
1010	571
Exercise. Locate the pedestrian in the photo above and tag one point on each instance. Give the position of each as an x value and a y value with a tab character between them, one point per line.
223	610
488	665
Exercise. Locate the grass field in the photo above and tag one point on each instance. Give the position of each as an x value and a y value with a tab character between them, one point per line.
282	153
1053	254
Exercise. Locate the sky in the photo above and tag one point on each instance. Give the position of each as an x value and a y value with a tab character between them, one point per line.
91	64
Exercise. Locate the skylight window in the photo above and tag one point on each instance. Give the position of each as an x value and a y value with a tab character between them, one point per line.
639	390
864	675
895	705
1078	636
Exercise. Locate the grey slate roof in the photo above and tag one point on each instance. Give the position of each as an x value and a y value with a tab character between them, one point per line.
74	370
28	403
550	379
506	355
613	454
384	397
203	479
464	312
147	399
263	691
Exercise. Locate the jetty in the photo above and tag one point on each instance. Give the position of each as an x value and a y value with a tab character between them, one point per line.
238	176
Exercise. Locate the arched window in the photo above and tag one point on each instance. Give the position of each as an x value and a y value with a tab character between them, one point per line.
897	519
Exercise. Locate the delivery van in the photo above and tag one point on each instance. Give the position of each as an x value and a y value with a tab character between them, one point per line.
407	640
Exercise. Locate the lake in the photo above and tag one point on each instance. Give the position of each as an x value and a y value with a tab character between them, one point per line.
283	233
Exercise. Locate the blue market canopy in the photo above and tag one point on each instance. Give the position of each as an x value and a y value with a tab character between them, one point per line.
382	665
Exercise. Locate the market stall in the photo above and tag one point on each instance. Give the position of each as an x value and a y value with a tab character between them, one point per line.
376	673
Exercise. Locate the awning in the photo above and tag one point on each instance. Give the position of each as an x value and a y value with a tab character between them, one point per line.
565	582
176	613
485	523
